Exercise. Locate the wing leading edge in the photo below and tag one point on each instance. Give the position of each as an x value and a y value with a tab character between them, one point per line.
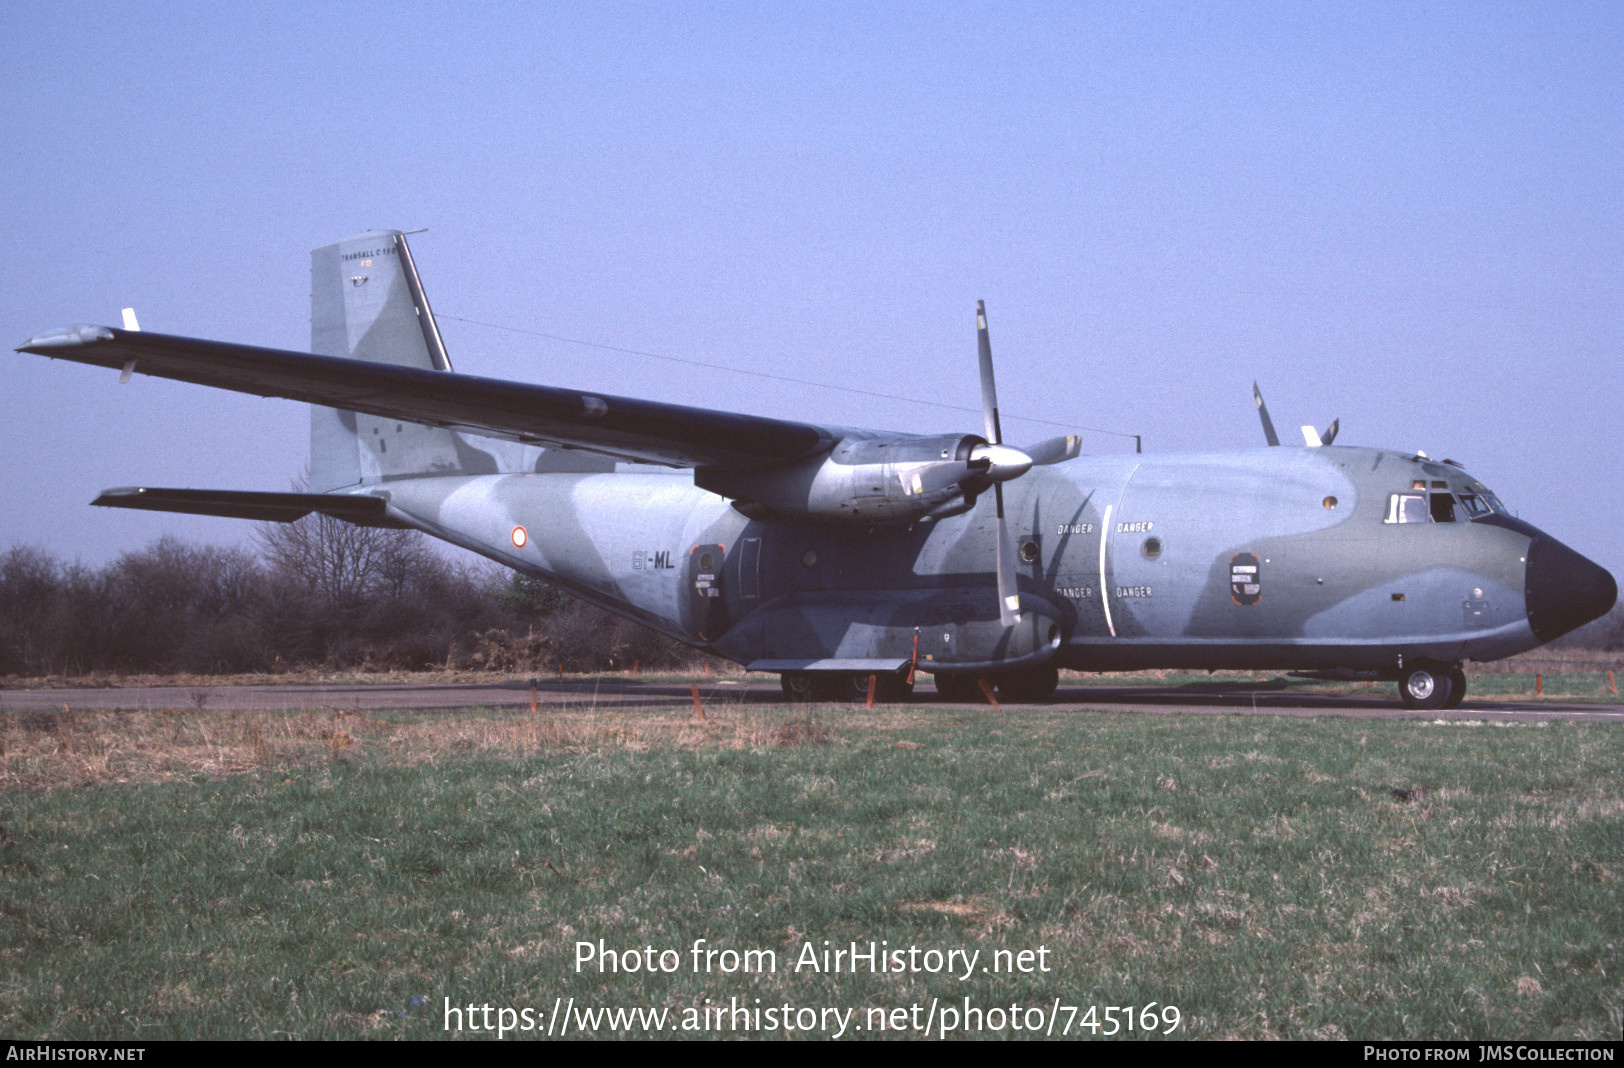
626	428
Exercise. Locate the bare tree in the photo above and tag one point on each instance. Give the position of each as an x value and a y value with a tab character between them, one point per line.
340	563
29	590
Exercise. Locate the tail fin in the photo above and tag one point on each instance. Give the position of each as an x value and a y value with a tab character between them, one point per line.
367	303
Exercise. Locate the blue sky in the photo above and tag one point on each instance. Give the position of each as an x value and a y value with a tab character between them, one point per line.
1404	215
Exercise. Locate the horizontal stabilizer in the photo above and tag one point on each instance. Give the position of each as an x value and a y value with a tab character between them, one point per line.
239	504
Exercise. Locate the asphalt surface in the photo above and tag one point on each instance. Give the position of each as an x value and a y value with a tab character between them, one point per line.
1381	702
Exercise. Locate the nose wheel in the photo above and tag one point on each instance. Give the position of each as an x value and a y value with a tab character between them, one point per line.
1426	685
1457	694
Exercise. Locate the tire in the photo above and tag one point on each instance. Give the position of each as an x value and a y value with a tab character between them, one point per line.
1457	691
889	687
1031	685
800	687
1426	686
960	689
849	685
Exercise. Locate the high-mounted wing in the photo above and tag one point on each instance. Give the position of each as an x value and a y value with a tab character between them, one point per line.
623	427
378	353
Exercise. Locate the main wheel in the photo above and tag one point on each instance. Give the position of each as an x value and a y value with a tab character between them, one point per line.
1426	686
1029	685
889	687
851	685
799	687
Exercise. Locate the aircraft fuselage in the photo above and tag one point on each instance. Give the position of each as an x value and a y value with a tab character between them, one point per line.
1319	558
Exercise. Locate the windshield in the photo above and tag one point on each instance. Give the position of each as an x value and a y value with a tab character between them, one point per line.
1435	502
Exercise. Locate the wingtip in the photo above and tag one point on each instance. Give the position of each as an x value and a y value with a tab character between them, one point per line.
66	337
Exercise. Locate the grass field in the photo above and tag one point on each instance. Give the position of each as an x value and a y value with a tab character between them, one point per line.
195	873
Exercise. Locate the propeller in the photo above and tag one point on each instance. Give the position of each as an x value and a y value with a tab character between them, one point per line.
1311	437
1001	461
989	464
998	463
1263	413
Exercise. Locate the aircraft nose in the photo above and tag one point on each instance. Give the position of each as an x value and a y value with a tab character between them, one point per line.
1564	590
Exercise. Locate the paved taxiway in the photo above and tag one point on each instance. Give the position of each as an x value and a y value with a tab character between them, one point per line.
1213	698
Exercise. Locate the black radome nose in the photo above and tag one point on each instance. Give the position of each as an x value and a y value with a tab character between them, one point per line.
1564	590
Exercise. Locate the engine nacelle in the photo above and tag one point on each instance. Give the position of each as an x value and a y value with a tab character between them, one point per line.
862	479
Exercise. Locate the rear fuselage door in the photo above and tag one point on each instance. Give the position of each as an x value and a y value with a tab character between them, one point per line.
706	604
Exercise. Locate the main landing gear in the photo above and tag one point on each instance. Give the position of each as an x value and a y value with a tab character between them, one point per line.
1427	685
801	687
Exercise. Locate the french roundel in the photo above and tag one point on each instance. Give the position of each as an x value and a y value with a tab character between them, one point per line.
520	537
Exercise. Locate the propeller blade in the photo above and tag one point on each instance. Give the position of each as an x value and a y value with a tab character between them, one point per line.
1330	432
1009	600
1002	463
989	390
1055	450
1263	413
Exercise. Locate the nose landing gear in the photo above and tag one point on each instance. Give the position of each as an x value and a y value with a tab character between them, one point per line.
1426	685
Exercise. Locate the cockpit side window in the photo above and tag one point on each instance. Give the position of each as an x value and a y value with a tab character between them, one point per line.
1478	501
1408	508
1443	507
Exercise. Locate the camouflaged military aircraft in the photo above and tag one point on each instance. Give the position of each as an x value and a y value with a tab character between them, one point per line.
831	555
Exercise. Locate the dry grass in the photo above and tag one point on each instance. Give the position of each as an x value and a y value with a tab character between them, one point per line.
40	750
317	676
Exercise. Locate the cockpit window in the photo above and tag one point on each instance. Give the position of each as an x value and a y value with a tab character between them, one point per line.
1479	502
1407	508
1436	501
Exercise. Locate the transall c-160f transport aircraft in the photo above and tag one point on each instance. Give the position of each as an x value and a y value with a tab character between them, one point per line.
829	554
